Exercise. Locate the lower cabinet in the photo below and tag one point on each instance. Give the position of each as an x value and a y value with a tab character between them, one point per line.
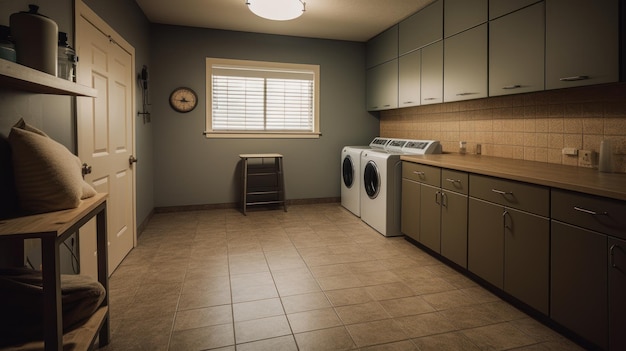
410	210
579	282
454	227
617	292
508	247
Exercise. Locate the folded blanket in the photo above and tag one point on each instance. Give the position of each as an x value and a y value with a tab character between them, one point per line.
21	303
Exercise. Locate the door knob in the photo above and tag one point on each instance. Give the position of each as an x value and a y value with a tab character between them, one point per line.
86	169
132	160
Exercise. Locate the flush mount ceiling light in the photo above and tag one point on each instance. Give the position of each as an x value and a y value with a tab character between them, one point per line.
277	10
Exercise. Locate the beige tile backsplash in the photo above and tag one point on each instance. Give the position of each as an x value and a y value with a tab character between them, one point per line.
534	126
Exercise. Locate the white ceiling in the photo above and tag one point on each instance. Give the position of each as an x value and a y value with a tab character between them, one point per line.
354	20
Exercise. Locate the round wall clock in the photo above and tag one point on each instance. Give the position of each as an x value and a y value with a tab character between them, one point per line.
183	99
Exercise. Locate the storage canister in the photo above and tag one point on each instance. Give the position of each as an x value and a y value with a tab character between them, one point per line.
35	39
67	59
7	48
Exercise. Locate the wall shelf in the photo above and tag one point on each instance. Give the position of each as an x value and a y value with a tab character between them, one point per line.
18	77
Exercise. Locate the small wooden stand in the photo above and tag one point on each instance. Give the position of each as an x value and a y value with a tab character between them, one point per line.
252	195
53	228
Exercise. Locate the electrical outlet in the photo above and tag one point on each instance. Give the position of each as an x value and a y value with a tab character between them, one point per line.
586	158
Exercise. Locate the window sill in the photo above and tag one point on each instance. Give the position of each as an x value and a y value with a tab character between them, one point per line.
264	135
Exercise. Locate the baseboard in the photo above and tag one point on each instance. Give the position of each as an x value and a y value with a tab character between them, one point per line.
292	202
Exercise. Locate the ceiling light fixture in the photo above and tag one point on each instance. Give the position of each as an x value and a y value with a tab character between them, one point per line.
277	10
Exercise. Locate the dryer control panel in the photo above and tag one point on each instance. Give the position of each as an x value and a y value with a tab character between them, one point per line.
422	147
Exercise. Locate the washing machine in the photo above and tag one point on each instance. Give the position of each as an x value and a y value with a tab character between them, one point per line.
351	174
382	179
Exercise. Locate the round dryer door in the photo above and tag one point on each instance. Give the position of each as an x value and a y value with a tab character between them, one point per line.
371	180
347	171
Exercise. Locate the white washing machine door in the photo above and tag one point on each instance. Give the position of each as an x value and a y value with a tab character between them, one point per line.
347	171
371	179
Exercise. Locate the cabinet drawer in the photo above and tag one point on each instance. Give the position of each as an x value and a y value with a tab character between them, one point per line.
522	196
422	173
591	212
454	181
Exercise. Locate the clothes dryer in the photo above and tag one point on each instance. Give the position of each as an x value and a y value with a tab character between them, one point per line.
351	174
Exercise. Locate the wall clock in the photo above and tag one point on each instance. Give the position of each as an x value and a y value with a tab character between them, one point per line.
183	99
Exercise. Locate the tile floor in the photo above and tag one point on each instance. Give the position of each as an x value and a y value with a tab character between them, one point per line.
313	278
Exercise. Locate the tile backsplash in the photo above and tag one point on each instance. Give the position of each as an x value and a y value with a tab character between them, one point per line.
533	126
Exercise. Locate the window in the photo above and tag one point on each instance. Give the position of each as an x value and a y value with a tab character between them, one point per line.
253	99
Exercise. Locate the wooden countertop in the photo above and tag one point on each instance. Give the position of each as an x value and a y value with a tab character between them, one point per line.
586	180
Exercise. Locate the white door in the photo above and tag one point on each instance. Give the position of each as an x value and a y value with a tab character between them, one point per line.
105	129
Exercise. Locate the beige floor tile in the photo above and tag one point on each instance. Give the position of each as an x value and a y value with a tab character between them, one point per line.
313	278
453	341
371	333
202	338
305	302
406	345
425	324
342	281
263	328
203	317
245	311
406	306
282	343
363	312
332	339
499	337
389	291
350	296
313	320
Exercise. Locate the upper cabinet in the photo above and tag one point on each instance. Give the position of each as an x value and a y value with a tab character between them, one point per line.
422	28
499	8
382	86
382	48
465	65
431	76
460	15
582	42
517	51
409	80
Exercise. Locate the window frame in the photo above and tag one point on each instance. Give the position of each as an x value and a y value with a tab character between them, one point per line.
261	65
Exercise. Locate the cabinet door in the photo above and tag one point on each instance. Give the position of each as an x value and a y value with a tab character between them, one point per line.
430	218
581	42
465	65
422	28
382	48
617	291
409	82
410	210
460	15
382	86
527	258
517	52
578	291
499	8
485	241
454	227
432	73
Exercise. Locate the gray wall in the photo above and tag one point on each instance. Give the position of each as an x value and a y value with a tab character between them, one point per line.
55	114
193	170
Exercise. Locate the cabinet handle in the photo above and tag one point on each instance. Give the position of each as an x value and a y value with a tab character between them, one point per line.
464	94
430	99
419	173
407	102
444	201
503	193
453	180
386	105
593	213
611	251
505	214
573	78
516	86
437	201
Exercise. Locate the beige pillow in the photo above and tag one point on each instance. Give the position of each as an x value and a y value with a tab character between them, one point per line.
48	176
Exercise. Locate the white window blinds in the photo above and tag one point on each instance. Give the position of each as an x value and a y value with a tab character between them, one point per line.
253	98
